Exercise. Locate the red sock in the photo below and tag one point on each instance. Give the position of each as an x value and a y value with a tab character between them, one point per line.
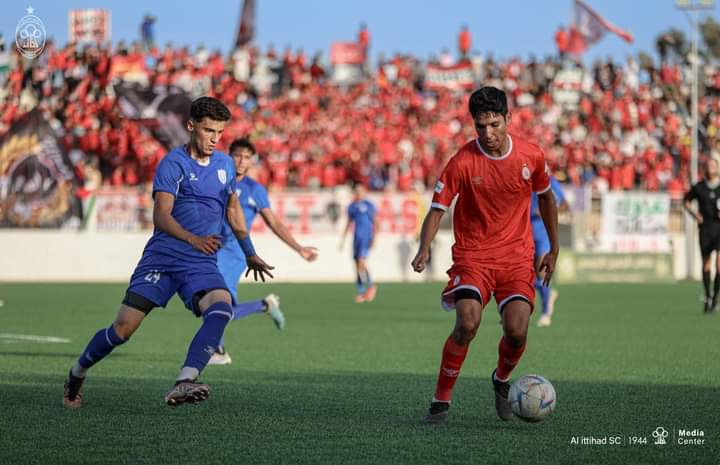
509	357
452	359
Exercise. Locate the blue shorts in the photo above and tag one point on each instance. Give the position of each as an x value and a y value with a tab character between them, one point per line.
231	264
157	277
361	247
541	239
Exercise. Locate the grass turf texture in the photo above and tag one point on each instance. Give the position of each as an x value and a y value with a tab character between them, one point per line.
347	383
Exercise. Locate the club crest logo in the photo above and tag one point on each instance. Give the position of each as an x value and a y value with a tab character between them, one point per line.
222	176
30	35
525	172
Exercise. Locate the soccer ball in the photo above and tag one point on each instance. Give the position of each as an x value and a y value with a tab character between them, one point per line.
532	398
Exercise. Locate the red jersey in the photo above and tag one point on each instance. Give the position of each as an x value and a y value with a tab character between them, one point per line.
492	213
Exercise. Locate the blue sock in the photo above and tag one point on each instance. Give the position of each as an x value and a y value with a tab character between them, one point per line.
368	279
244	309
208	337
360	283
544	295
102	343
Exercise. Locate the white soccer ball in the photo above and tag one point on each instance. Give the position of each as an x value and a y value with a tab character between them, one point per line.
532	398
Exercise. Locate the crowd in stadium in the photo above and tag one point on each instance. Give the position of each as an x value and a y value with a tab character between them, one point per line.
629	130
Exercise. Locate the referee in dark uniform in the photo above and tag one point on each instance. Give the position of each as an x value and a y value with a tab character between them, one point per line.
707	195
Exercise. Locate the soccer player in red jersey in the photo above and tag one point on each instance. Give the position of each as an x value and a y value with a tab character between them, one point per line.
493	178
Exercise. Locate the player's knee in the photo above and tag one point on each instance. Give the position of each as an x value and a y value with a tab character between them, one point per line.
516	336
124	328
467	329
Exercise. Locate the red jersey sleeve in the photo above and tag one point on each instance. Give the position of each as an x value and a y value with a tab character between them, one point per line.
541	175
447	187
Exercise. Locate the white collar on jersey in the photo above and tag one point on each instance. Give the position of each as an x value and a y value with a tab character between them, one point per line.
507	154
712	185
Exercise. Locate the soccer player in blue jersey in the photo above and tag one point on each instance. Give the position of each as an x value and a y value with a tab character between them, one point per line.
548	296
231	260
194	193
361	215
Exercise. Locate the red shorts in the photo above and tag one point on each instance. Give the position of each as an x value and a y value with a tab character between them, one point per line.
504	284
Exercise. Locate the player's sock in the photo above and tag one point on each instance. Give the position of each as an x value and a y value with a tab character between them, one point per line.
716	288
360	284
244	309
544	292
98	348
509	356
706	284
207	338
452	359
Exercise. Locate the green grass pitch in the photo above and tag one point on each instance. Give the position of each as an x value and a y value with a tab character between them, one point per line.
349	384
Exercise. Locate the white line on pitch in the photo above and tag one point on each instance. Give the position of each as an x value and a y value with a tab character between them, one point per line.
33	338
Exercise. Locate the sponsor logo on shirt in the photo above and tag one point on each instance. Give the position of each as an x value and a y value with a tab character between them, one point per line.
222	176
439	186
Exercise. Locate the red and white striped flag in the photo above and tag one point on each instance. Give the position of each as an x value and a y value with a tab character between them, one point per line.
589	27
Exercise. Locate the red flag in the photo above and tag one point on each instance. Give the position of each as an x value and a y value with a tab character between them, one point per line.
589	27
246	28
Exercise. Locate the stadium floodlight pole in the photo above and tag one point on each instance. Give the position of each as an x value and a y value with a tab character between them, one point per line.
694	6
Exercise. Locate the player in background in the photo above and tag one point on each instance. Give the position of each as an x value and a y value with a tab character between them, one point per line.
194	193
493	178
361	214
548	295
231	259
707	195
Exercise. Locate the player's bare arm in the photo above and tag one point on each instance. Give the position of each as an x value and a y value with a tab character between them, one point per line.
348	226
430	227
164	221
549	214
281	231
236	220
688	206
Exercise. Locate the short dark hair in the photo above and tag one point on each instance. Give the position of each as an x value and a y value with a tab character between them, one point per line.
488	100
209	107
242	143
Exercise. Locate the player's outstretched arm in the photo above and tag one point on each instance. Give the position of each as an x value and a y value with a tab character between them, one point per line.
430	227
549	214
281	231
236	220
164	221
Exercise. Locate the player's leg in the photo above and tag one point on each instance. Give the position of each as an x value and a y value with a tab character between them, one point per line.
366	282
204	292
466	293
149	288
546	293
715	246
514	294
706	253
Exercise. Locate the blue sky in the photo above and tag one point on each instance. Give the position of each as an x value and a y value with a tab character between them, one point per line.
423	27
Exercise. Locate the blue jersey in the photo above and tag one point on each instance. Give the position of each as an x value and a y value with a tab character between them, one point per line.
201	199
362	213
253	198
535	217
